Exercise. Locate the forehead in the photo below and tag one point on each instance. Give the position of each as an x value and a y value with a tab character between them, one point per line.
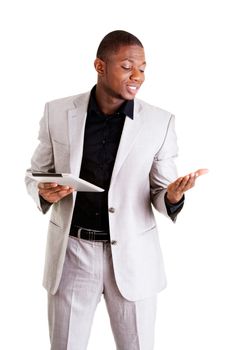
133	53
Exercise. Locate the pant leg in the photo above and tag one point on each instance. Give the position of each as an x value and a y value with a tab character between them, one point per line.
71	309
133	323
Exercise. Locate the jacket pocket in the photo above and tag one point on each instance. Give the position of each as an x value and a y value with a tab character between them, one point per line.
53	223
56	142
148	230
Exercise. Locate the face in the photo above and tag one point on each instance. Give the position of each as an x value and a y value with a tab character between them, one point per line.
120	76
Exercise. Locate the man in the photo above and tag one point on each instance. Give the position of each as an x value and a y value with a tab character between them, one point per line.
107	243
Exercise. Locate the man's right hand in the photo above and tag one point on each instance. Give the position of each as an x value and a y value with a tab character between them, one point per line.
52	192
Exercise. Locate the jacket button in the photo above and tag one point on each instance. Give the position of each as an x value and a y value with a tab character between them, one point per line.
111	210
113	242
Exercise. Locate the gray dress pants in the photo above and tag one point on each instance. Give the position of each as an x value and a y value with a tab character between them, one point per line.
87	274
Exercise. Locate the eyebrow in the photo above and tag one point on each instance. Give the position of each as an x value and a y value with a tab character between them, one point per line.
132	61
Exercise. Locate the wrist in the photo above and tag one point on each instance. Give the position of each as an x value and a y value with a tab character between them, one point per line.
173	198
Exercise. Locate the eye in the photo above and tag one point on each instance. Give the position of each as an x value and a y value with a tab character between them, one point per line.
127	67
142	69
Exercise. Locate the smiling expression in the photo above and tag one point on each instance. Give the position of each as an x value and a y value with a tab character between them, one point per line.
121	75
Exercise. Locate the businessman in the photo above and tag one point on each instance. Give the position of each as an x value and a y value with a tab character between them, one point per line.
107	243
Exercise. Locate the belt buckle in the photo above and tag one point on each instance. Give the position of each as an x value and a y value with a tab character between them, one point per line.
91	235
79	232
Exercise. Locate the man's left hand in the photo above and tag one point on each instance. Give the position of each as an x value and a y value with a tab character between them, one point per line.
176	189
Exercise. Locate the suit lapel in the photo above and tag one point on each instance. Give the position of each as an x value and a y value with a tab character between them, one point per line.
76	121
131	130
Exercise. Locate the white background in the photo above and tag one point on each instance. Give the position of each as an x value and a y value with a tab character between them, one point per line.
47	52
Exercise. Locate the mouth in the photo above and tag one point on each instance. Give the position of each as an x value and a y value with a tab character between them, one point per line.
133	89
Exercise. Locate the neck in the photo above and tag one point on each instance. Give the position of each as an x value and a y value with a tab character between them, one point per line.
106	103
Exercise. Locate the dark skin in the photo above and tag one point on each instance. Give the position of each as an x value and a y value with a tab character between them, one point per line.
120	76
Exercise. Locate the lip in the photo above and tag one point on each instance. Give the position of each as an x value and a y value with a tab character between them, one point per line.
133	89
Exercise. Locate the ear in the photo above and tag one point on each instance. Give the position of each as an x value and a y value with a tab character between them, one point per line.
99	66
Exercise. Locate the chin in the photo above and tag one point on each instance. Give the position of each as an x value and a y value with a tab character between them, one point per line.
127	97
124	95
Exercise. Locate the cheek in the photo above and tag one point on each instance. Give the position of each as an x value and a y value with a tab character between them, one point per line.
119	76
116	81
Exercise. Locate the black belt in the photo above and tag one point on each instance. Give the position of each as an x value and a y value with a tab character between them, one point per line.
90	235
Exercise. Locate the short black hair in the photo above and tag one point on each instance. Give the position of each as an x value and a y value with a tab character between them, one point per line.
114	40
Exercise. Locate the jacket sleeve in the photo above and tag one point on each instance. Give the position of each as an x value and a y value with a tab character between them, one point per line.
163	170
42	161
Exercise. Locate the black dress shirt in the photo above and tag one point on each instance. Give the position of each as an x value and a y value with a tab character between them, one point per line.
101	142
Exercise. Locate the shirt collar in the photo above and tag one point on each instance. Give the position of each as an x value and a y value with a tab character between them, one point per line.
126	108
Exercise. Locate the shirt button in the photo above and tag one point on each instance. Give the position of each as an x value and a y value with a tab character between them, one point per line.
113	242
111	210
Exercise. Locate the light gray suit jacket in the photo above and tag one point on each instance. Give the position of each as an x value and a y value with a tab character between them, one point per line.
143	169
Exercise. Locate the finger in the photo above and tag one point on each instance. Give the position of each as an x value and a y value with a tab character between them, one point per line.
54	189
193	178
177	184
55	196
61	194
200	172
59	188
183	182
187	182
190	183
47	185
63	187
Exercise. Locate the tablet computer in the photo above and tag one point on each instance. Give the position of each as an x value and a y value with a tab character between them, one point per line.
65	179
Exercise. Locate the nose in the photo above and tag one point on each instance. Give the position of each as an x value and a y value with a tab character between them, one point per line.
137	75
